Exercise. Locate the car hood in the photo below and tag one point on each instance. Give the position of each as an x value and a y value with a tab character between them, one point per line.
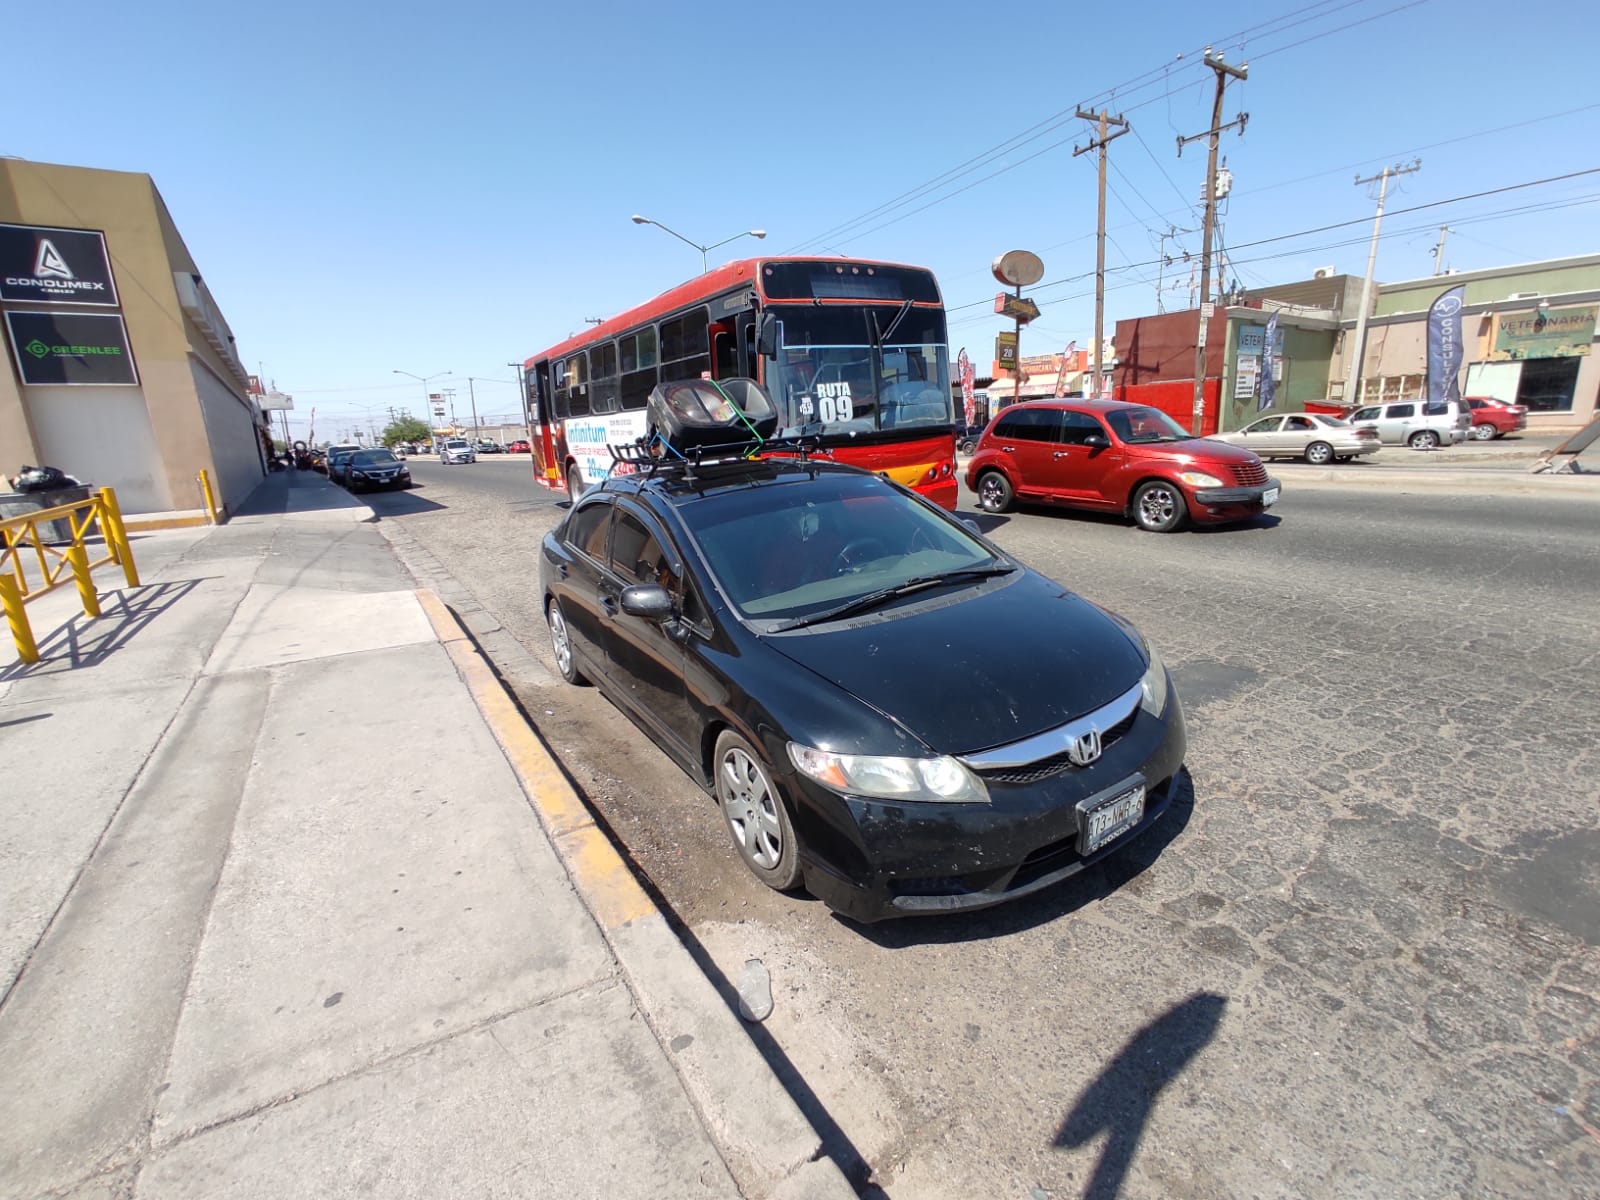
981	669
1196	450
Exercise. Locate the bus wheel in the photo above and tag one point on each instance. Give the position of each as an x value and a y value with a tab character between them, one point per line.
574	483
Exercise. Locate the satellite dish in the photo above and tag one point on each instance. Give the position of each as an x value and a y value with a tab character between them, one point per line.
1019	268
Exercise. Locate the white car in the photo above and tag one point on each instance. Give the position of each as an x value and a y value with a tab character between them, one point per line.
457	450
1408	423
1315	437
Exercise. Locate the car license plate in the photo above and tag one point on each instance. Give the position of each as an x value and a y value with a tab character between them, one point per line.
1112	818
1269	497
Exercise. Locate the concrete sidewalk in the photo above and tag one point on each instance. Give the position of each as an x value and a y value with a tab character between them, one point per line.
296	904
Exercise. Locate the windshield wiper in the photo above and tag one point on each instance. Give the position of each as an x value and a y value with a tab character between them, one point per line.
883	595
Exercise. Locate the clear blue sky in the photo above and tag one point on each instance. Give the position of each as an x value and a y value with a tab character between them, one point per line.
369	186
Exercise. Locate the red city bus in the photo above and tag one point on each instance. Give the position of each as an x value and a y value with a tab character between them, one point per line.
853	351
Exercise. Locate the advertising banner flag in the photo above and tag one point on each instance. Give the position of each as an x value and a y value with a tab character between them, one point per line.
1445	348
968	376
1269	386
1066	362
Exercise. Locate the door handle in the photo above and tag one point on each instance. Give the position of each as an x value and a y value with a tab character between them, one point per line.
1008	450
1060	454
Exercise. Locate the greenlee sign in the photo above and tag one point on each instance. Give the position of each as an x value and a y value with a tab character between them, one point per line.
1558	333
75	349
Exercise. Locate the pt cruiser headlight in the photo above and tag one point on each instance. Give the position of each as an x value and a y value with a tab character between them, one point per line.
1199	479
940	780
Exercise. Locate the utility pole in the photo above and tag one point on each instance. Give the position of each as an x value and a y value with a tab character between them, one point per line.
1352	366
1224	73
1100	144
522	402
1438	251
472	398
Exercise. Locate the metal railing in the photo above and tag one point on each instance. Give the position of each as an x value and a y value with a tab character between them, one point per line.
33	565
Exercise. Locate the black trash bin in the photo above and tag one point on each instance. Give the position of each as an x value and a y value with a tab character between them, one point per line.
56	531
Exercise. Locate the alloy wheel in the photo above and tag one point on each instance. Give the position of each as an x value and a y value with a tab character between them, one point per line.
750	807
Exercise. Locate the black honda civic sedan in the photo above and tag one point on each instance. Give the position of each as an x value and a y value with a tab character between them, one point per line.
806	641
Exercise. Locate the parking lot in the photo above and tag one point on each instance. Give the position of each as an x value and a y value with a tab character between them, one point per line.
1357	959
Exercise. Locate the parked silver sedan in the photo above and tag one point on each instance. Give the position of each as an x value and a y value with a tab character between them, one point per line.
1315	437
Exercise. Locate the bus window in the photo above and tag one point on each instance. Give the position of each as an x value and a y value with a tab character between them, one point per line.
724	351
578	385
636	388
603	377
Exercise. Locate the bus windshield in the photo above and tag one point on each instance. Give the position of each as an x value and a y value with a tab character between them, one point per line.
860	369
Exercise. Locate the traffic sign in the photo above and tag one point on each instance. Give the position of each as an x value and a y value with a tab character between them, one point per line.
1018	308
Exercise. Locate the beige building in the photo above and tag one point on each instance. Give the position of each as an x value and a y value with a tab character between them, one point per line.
120	369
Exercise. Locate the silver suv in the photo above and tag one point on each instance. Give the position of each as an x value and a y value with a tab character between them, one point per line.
457	450
1407	423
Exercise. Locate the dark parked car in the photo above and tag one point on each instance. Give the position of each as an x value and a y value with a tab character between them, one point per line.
798	636
338	459
1114	457
366	470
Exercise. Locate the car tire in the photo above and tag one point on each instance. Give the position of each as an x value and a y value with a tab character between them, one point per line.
1423	439
994	492
1484	433
967	446
1159	507
561	643
754	812
1319	454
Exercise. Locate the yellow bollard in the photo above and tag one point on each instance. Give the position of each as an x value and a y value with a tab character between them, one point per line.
78	557
117	535
211	503
17	615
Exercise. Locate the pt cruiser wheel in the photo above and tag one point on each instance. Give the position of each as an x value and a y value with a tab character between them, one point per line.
1158	506
755	815
994	493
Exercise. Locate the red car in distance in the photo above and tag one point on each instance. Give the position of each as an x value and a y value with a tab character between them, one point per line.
1110	456
520	446
1493	418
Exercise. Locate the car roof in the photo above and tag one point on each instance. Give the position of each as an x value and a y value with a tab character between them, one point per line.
1089	406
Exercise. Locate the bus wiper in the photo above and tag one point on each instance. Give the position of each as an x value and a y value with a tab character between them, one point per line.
895	324
873	599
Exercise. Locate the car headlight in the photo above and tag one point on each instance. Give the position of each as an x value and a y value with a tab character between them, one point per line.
1199	479
1153	685
940	780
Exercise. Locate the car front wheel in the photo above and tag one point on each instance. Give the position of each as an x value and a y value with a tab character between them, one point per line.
755	815
1424	439
561	643
994	492
1159	507
1484	433
1319	454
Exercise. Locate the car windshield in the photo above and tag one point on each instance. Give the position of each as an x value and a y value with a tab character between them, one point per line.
804	546
455	445
1140	425
372	458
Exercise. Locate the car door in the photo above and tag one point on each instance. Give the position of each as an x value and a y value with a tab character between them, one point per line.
1028	439
646	657
1297	433
1082	469
1397	423
584	537
1263	437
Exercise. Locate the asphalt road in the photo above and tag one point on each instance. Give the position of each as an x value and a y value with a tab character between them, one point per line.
1361	958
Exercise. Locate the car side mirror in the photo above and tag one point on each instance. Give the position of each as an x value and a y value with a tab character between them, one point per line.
971	526
1097	441
767	335
648	600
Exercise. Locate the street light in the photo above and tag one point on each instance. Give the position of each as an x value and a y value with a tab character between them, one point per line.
427	402
755	233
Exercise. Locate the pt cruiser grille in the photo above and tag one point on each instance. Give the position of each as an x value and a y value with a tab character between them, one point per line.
1250	474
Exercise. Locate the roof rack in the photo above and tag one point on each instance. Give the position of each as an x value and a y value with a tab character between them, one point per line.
659	457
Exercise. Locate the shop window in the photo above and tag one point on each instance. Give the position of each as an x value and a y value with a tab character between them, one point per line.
1548	384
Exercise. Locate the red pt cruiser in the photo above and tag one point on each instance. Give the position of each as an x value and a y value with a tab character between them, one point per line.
1114	457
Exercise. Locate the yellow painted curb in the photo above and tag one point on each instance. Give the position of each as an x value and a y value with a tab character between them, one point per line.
597	871
147	524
